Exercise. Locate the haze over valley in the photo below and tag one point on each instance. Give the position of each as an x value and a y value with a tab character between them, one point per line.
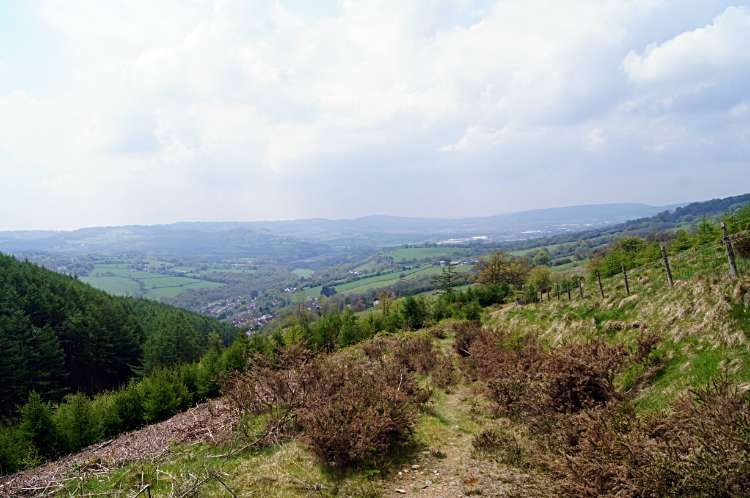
374	248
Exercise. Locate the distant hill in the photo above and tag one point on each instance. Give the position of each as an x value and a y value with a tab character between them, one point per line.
301	239
225	241
381	230
680	217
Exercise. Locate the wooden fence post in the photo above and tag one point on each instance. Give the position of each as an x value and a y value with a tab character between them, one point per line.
730	251
625	274
666	265
557	288
568	285
601	289
580	286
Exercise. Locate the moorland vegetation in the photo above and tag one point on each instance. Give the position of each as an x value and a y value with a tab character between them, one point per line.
638	392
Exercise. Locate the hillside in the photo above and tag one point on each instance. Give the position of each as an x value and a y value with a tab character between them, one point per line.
60	336
166	241
301	239
685	217
639	393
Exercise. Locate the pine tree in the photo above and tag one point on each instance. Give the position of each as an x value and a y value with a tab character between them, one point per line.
38	427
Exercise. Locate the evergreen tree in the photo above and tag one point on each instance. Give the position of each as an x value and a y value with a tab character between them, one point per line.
129	403
210	366
164	395
447	279
350	333
38	427
76	422
234	356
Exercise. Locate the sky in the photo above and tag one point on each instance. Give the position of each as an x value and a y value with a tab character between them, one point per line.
158	111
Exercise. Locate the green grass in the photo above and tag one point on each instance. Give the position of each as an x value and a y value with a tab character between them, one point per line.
114	285
221	270
303	272
382	281
459	288
168	281
166	285
305	293
429	252
126	273
173	291
703	338
568	266
286	469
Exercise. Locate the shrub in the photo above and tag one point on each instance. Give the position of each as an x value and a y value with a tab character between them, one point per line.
416	354
523	379
359	411
466	332
414	311
16	452
444	374
346	411
704	445
741	245
595	452
699	449
472	311
504	446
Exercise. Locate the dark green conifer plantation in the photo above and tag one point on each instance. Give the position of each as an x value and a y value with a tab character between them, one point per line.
59	336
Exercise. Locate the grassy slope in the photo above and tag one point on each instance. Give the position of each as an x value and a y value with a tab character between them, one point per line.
383	281
177	454
705	323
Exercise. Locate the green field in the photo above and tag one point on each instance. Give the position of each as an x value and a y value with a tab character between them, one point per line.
166	285
568	266
305	293
303	272
173	291
189	270
378	282
385	280
114	285
125	273
429	252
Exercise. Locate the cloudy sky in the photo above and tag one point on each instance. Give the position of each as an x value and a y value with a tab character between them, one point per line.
156	111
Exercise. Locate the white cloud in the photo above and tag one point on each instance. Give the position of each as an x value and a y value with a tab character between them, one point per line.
254	102
704	66
696	54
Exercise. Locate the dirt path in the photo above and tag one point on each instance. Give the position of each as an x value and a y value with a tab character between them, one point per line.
448	468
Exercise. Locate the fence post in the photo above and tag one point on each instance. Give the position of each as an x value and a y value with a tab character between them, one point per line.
568	285
601	289
625	274
666	265
557	288
580	286
548	291
730	251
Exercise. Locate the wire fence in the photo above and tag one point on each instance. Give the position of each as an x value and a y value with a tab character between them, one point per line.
713	258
